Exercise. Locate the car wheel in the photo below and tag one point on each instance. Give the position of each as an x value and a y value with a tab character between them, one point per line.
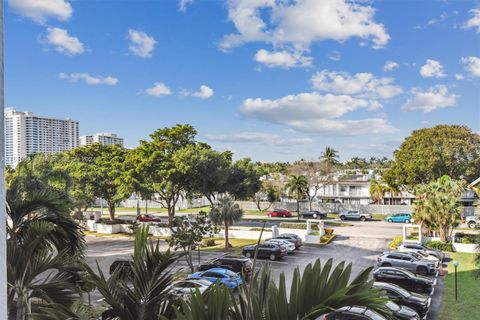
422	271
471	225
389	221
407	221
386	264
248	255
273	257
362	218
342	218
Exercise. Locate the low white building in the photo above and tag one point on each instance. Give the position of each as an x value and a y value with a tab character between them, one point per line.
102	138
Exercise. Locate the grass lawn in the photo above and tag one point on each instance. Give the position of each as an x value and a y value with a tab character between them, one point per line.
237	245
468	290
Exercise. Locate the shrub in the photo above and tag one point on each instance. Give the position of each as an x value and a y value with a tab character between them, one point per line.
111	222
468	240
438	245
208	243
329	231
396	241
325	238
314	233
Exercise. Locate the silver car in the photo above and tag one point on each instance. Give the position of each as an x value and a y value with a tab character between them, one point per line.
420	248
290	246
408	261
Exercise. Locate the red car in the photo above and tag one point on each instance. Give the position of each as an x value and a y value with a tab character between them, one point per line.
147	218
284	213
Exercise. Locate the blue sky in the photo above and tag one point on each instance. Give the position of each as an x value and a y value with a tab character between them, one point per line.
271	80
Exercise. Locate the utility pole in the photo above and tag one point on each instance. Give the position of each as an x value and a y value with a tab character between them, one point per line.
3	208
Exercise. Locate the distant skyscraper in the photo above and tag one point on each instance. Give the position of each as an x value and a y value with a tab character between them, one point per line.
102	138
27	134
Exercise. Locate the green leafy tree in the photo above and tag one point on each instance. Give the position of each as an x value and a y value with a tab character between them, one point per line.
244	180
316	290
437	204
226	212
143	293
164	163
329	155
297	187
187	234
428	154
269	192
98	169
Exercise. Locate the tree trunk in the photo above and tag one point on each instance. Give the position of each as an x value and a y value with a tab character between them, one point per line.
443	233
111	210
138	204
298	210
20	309
188	257
227	245
310	204
171	214
146	206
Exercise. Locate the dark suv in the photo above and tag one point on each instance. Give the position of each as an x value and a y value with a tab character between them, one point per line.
417	302
236	264
405	279
265	250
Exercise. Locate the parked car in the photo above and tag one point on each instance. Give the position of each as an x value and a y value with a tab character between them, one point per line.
289	245
219	276
293	238
123	264
315	214
417	302
265	250
406	246
402	312
185	287
399	217
405	279
354	215
240	265
283	213
351	313
147	218
421	255
407	261
472	221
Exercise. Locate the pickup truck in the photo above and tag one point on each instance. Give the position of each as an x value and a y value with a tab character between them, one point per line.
354	215
472	221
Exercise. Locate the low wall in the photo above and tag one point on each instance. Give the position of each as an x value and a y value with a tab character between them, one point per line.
464	247
299	232
245	234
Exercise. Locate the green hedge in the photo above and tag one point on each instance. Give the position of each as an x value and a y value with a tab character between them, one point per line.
297	225
438	245
114	221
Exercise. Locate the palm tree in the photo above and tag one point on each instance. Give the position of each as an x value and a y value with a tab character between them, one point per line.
377	191
330	155
318	289
226	212
26	206
297	187
37	273
142	293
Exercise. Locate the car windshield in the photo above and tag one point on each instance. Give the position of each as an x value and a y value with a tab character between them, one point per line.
230	273
416	255
392	306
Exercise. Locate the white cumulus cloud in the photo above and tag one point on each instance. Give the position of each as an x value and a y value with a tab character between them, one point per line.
432	69
141	44
298	24
257	137
204	92
390	66
158	89
41	10
474	21
88	79
472	65
361	84
63	42
431	99
283	59
459	76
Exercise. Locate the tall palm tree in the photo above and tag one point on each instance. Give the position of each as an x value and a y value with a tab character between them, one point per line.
143	292
377	191
226	212
316	290
297	186
26	206
329	155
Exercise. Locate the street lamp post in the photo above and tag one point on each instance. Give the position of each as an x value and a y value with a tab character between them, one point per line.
455	264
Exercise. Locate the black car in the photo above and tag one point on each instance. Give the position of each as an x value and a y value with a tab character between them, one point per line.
236	264
123	264
265	250
293	238
351	313
313	214
417	302
405	279
402	312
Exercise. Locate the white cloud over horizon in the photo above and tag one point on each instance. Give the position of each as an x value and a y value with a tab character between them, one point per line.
204	92
390	66
41	10
283	59
257	137
88	79
63	42
141	44
158	89
433	98
432	69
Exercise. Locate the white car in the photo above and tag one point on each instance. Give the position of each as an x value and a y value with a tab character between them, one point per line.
186	287
290	246
421	249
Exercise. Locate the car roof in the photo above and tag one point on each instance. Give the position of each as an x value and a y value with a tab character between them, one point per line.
232	258
218	270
